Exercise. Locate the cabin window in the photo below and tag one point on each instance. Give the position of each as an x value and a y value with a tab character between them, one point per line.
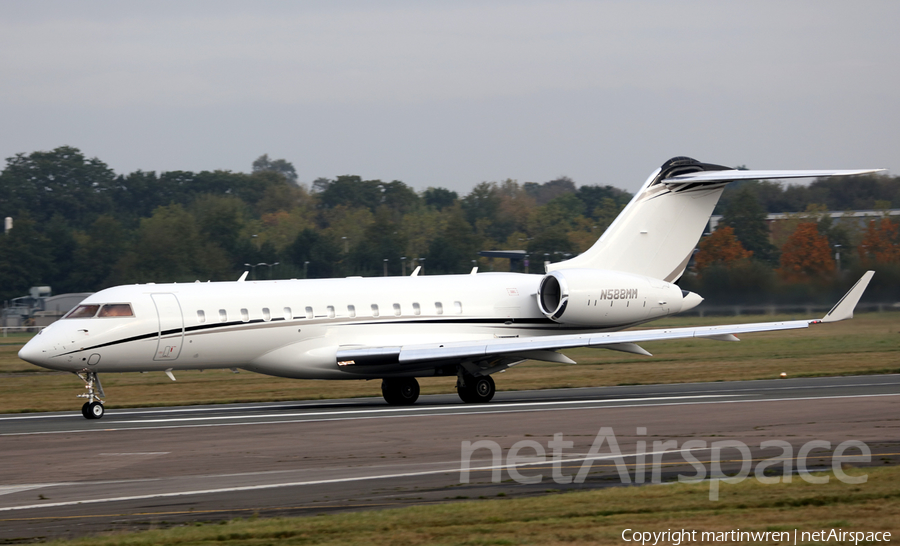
438	308
374	309
116	310
416	309
330	310
351	310
201	317
309	312
83	311
223	316
457	307
397	309
287	313
267	316
245	315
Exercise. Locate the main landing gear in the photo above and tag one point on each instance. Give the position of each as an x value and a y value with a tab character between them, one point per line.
93	408
404	391
475	390
400	391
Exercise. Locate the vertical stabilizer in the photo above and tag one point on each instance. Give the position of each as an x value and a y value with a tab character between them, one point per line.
657	231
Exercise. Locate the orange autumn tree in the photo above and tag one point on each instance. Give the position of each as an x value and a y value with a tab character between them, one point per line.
806	254
881	244
720	247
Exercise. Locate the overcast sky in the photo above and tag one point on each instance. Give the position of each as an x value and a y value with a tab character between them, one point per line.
453	93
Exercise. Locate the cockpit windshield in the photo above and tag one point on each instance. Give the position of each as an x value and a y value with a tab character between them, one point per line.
105	310
116	310
83	311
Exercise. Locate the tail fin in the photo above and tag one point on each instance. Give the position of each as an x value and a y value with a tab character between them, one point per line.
658	230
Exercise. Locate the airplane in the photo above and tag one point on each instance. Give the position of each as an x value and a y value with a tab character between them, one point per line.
396	329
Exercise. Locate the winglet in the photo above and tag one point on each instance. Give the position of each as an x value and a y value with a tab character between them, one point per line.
844	308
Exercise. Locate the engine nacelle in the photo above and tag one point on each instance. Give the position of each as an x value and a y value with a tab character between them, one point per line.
596	297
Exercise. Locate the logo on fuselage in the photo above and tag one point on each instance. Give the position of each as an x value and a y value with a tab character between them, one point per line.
619	294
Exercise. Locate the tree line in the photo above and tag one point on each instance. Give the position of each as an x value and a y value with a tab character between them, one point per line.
80	227
808	257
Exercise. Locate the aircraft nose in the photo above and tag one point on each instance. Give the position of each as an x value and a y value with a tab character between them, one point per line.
33	353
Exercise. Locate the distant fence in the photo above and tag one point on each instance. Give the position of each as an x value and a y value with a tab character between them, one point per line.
24	329
703	310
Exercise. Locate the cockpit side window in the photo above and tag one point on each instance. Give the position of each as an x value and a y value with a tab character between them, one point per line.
83	311
116	310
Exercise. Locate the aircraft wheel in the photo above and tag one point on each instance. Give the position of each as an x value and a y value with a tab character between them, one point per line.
84	410
401	391
95	410
478	390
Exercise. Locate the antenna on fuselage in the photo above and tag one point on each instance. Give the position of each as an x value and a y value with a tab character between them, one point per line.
244	276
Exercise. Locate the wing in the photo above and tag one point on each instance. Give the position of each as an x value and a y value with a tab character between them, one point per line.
488	356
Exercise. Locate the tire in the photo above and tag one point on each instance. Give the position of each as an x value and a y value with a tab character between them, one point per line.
95	410
84	410
401	391
478	390
464	395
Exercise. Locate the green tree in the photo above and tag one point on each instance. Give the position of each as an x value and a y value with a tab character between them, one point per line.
320	251
95	255
383	239
25	258
439	198
350	191
453	250
170	247
399	198
59	182
748	219
548	191
220	220
280	166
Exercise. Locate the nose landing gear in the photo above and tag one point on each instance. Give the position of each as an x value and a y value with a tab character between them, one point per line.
93	408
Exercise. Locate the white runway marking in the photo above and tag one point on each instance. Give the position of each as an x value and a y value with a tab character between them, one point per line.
481	410
319	404
239	489
421	409
134	454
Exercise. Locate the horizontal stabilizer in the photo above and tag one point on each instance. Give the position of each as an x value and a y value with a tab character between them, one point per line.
844	308
731	175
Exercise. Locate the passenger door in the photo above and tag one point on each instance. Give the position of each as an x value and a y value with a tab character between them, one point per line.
171	327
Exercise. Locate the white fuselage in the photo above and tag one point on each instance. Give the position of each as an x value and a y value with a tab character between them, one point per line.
294	328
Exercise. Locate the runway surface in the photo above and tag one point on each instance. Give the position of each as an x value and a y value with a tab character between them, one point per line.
63	475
